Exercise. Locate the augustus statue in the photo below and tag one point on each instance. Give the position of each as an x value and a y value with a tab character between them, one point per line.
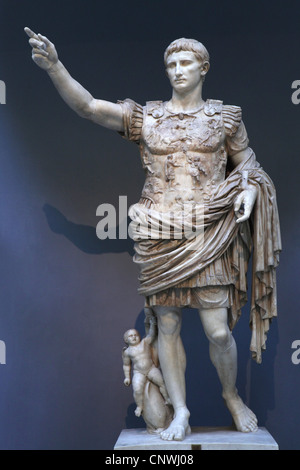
201	177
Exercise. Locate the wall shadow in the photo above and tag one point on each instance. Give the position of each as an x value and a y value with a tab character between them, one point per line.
84	237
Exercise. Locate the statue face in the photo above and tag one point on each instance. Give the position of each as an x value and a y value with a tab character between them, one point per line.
133	337
185	71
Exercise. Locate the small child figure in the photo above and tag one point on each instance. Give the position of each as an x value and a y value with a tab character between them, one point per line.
138	354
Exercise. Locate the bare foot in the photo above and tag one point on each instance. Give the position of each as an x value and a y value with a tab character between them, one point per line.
178	428
138	411
244	419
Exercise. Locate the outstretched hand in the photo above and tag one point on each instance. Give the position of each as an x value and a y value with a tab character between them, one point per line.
43	51
150	317
245	199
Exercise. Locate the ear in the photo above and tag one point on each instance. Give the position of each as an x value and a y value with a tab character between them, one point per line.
205	68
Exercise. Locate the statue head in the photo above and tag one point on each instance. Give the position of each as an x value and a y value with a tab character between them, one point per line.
189	58
132	337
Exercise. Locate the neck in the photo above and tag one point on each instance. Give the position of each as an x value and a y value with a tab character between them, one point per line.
187	101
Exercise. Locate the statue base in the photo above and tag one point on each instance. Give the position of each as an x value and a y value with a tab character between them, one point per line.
201	438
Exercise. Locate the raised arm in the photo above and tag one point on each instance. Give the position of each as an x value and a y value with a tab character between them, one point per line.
102	112
152	332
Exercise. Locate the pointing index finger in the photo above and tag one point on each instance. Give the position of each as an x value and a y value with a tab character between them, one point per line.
30	33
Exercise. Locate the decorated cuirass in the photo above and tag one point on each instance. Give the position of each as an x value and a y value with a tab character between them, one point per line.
183	154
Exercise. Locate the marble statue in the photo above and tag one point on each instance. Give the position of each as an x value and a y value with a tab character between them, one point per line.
197	160
139	360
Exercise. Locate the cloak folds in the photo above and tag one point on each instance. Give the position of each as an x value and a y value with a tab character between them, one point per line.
168	261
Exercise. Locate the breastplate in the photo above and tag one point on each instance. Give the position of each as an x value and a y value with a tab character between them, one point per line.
183	155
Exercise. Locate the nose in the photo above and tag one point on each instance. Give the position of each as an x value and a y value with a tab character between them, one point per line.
178	70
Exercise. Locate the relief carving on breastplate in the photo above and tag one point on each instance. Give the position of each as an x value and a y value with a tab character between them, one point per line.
152	189
171	164
171	134
220	163
197	170
147	161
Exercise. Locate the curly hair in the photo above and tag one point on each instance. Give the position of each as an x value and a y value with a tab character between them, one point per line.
190	45
127	333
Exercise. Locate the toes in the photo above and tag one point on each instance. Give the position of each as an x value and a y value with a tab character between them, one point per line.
249	425
254	426
166	436
179	434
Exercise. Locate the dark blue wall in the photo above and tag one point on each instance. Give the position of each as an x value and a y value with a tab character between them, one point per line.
66	297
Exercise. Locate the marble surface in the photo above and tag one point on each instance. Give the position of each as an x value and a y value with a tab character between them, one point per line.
201	438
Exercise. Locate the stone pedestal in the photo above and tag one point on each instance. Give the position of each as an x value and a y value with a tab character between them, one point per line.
201	438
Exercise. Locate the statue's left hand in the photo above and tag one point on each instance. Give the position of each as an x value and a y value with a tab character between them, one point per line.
246	198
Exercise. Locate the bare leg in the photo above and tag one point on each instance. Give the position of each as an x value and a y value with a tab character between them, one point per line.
138	385
223	355
156	377
173	363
